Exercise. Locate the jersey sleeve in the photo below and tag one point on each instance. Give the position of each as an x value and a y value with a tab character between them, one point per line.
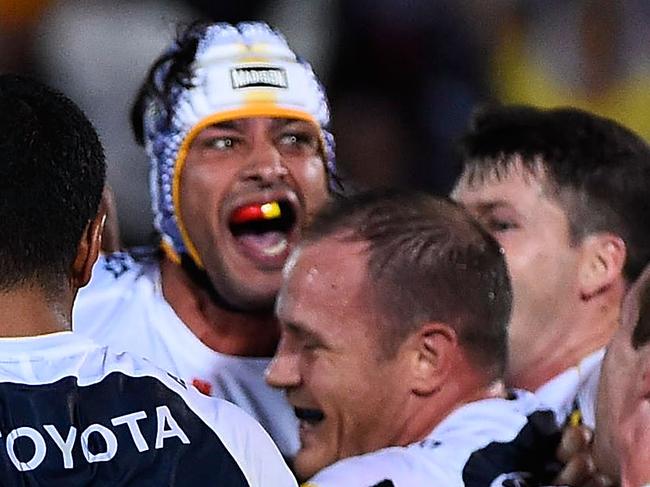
250	445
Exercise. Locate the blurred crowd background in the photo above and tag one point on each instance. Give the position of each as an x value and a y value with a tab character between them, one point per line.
402	75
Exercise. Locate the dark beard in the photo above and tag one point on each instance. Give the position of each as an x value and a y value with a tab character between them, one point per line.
201	279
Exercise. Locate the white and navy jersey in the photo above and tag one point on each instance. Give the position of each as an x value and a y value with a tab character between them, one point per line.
124	307
575	388
74	414
488	443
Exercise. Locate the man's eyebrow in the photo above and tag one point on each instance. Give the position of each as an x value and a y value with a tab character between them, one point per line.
228	124
490	205
301	330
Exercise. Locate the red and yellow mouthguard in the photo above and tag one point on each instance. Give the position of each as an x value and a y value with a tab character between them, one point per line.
265	211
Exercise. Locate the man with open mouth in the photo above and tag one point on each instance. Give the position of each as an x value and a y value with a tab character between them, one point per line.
394	313
235	127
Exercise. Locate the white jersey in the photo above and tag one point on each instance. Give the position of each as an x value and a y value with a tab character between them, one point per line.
72	413
123	307
493	442
575	388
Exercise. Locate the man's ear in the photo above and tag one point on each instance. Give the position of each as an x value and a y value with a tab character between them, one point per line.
434	347
111	240
88	250
602	263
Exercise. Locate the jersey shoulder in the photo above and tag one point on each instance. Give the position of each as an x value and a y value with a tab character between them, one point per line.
155	428
396	466
119	267
243	437
520	446
486	443
120	291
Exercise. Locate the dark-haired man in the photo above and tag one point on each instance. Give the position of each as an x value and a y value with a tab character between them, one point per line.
393	312
72	413
235	127
567	195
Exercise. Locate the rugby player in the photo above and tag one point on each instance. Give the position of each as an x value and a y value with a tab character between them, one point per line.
72	413
394	313
567	195
235	127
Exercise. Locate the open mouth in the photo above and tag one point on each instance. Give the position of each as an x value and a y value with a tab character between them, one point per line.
264	229
309	416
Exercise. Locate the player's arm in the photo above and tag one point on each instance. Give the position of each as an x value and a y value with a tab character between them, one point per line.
111	239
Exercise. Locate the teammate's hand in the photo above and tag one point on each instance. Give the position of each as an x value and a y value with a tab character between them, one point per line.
579	468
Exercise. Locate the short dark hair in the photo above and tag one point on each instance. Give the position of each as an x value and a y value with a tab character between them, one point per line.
52	172
598	169
428	260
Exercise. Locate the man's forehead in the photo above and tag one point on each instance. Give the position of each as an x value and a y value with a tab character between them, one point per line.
326	293
331	260
491	180
324	274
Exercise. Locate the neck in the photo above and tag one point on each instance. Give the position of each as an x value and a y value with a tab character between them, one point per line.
27	311
439	406
538	361
233	332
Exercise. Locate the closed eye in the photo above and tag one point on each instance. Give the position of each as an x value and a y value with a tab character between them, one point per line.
310	346
305	339
499	225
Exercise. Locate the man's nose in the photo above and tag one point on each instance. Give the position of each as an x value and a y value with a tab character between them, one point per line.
283	371
265	164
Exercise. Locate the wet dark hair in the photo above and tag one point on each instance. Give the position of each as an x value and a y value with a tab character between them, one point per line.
428	260
52	173
598	170
178	74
